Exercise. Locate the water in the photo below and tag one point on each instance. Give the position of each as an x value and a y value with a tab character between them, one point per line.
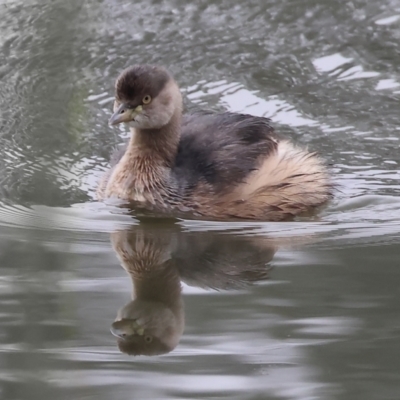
299	310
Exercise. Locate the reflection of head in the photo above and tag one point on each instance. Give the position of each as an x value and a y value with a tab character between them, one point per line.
149	328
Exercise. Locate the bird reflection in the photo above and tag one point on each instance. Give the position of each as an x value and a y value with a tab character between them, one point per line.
158	257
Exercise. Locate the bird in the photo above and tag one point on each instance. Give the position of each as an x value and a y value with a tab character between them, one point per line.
219	166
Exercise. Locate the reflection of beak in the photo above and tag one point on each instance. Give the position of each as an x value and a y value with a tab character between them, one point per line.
126	328
124	114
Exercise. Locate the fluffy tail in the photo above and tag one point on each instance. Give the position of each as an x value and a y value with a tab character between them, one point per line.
290	182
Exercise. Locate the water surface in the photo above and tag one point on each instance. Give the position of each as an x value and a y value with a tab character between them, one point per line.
300	310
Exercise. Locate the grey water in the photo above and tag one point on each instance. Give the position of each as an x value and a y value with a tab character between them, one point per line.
308	309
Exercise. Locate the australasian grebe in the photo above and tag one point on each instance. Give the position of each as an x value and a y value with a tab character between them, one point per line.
216	165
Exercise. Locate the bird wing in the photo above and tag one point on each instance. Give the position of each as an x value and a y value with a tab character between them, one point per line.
222	149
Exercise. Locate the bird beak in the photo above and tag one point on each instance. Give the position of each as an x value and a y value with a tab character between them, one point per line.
124	114
126	328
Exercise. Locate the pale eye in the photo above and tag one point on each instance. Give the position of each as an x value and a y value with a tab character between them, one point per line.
146	99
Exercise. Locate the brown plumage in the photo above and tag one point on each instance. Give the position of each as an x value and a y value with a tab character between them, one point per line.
220	166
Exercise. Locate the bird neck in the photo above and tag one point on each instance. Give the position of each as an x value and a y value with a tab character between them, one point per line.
162	284
159	145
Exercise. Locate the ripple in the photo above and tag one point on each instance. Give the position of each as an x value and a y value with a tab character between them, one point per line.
331	62
236	98
385	84
388	20
83	217
340	66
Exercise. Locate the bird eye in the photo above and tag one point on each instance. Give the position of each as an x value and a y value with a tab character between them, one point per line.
148	339
146	99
